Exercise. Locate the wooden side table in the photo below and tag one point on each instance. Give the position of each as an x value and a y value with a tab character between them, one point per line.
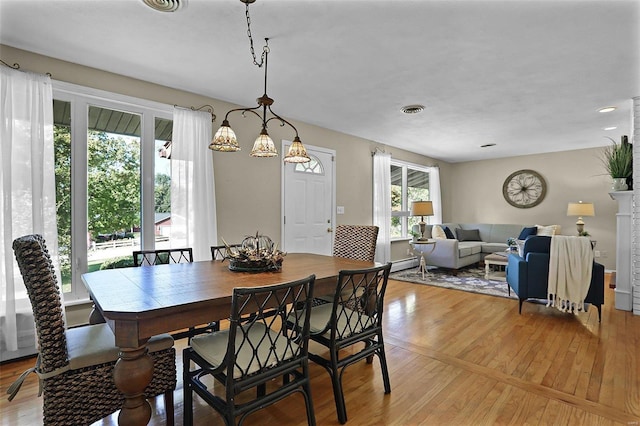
424	247
494	259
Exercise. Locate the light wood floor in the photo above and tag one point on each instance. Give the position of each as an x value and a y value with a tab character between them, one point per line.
455	358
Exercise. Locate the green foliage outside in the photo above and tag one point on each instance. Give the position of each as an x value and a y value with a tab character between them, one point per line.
117	262
113	188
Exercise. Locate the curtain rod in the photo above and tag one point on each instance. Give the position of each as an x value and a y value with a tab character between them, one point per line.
208	108
16	66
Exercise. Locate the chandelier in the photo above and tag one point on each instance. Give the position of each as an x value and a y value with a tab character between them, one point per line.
225	138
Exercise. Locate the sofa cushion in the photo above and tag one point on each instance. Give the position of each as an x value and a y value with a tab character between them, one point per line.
468	234
548	231
527	231
437	233
468	248
494	247
448	233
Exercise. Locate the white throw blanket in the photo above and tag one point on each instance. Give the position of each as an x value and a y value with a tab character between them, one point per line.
570	267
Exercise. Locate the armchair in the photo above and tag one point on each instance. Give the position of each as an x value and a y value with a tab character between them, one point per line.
528	274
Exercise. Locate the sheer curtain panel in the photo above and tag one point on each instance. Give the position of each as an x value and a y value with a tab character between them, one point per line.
193	209
434	195
382	204
27	189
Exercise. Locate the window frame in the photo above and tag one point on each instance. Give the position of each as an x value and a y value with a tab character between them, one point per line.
81	98
404	212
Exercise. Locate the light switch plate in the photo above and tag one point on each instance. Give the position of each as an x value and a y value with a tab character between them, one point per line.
340	210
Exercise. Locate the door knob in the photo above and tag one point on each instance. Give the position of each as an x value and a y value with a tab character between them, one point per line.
329	230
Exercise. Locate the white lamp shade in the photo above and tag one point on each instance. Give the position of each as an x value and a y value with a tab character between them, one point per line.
224	140
421	208
297	153
581	209
264	147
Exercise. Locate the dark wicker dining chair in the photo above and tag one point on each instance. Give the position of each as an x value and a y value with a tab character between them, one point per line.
256	349
219	252
162	256
354	317
75	366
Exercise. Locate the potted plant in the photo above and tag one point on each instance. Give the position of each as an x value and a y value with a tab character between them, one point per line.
618	160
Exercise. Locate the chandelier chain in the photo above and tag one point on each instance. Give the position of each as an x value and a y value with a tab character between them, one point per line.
265	49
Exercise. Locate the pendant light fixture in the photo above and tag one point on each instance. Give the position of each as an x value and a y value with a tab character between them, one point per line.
225	138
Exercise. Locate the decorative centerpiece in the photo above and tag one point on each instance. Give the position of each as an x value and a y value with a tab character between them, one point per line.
255	254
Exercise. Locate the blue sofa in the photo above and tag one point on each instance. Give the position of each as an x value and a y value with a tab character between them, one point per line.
528	275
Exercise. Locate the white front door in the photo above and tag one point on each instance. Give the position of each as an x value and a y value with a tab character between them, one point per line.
308	198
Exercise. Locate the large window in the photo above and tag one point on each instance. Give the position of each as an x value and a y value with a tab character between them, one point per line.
112	180
408	183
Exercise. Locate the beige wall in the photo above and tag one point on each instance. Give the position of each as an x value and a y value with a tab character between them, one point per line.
248	189
475	194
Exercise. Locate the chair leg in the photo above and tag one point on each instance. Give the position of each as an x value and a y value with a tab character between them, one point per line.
306	391
599	312
383	367
168	407
338	395
187	390
520	306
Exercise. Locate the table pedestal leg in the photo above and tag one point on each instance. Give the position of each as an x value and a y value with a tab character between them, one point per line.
487	270
132	374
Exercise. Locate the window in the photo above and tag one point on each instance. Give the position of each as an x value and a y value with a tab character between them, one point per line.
408	183
112	183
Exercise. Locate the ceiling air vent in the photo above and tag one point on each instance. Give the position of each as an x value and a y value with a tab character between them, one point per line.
412	109
165	5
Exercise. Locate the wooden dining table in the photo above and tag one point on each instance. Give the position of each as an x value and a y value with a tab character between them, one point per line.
138	303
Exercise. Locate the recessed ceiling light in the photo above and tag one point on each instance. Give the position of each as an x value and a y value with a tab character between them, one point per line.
610	128
165	5
607	109
412	109
487	145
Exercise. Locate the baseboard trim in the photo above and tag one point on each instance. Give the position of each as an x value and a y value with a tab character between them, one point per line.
399	265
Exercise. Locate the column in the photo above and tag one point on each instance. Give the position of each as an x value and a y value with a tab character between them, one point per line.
635	137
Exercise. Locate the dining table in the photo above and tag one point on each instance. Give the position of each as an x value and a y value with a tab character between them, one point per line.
140	302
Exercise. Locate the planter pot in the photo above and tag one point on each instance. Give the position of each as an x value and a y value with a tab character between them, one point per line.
619	184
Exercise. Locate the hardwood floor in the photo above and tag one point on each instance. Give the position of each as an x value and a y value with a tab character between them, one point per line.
455	358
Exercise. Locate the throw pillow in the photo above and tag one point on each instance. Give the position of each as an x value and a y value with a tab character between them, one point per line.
520	244
548	231
437	233
526	232
468	234
448	233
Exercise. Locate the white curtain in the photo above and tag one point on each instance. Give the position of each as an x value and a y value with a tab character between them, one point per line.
382	204
434	195
27	190
193	209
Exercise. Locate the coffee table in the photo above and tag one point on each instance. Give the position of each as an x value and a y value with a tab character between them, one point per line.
500	259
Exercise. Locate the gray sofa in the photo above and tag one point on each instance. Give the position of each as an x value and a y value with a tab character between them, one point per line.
454	254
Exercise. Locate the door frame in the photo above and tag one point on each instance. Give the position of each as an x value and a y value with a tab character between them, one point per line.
310	148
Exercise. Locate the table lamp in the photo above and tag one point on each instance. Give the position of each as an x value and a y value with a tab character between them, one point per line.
422	209
580	209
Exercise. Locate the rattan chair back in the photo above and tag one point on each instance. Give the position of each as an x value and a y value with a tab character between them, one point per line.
354	317
162	256
84	395
256	349
220	252
355	242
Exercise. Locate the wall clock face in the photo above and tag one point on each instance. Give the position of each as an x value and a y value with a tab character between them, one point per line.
524	189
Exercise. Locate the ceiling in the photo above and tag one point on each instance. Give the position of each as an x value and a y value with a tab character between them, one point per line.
527	76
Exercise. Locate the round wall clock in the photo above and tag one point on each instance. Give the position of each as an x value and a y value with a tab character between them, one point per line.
524	189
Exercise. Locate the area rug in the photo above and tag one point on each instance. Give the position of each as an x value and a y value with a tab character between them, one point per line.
467	279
